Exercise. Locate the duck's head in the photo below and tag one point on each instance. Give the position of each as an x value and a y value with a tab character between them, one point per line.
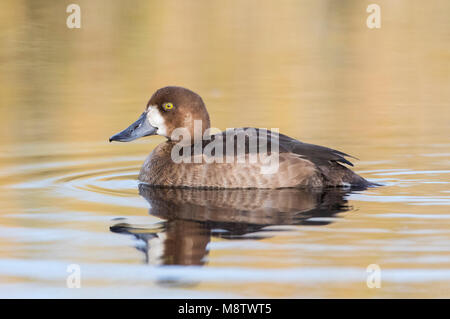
169	108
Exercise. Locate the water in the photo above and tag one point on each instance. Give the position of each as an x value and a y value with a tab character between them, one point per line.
311	68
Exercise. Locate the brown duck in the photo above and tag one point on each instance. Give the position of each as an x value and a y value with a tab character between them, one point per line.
230	159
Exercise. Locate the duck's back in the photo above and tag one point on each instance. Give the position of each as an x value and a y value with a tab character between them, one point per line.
298	164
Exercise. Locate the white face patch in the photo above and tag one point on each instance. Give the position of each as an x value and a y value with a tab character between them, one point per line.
155	119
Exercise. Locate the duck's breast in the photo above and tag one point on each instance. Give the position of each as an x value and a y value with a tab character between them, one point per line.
290	170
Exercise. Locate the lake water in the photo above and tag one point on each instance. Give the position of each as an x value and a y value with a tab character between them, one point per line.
310	68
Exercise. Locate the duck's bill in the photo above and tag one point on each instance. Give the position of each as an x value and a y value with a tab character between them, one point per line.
138	129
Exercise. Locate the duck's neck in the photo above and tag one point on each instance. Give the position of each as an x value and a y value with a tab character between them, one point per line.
192	134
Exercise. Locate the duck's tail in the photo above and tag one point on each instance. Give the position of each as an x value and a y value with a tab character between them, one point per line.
337	175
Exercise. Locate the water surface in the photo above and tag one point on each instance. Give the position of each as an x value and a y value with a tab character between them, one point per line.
311	68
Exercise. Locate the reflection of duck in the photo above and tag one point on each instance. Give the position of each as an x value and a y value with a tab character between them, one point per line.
231	159
194	215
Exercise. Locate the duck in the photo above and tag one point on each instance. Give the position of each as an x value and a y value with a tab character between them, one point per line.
193	156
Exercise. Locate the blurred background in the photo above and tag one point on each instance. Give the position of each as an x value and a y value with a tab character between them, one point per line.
313	69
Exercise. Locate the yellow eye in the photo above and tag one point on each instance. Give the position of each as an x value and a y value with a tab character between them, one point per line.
168	106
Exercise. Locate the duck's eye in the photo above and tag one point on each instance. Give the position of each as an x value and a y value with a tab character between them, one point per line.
167	106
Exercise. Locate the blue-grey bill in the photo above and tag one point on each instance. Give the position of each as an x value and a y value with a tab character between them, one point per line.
138	129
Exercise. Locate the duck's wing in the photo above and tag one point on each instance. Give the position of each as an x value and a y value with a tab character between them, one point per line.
317	154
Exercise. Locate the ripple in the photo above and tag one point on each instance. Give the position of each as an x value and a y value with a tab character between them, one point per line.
119	182
102	178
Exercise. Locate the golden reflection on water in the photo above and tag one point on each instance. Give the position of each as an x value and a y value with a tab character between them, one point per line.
311	68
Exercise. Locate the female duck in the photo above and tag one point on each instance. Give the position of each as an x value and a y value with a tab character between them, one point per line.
192	157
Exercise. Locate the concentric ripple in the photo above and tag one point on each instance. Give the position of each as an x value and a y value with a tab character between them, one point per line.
101	177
